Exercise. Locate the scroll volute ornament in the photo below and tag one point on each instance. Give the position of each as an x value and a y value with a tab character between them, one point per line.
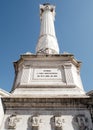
34	122
57	122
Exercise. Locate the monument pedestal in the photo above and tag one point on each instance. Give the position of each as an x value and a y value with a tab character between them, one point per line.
48	76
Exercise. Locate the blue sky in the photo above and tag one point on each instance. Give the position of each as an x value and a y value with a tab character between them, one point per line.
20	27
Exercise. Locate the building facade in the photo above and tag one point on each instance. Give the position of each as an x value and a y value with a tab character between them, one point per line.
47	92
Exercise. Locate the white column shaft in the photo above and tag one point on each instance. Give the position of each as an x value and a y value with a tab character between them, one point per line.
47	24
47	42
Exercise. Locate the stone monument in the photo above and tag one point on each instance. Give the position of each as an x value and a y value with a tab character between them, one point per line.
47	93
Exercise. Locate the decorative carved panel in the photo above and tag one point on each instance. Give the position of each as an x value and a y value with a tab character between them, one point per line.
11	122
82	122
57	123
34	122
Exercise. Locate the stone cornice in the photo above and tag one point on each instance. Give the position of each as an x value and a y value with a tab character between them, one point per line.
4	93
56	57
27	102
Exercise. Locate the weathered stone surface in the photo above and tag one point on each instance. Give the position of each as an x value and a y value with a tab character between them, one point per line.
46	116
82	102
